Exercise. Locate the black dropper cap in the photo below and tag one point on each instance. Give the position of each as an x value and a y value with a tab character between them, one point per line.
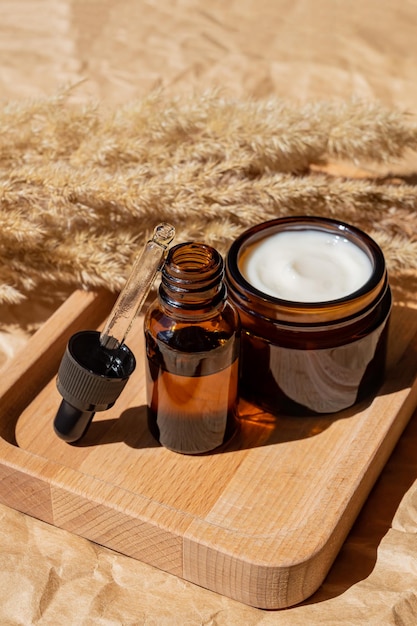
90	378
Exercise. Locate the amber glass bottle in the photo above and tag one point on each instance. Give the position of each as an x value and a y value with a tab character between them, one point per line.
192	337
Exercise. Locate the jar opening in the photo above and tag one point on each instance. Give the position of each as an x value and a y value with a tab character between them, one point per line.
314	310
309	258
305	265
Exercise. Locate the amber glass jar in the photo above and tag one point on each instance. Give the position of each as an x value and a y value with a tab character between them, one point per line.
317	356
192	335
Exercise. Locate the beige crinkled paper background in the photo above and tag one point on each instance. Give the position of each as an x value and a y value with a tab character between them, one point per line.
119	51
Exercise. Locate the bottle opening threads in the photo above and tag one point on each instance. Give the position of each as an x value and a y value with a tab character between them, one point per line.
192	278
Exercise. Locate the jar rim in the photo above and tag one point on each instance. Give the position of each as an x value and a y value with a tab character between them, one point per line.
317	310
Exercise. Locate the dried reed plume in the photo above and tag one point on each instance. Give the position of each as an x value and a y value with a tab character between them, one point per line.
81	187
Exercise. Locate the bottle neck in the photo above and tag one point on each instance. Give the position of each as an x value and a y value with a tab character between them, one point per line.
192	280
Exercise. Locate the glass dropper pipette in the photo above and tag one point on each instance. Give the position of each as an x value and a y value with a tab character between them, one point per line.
131	299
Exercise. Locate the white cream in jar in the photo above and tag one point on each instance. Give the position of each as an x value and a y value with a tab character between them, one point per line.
306	265
314	302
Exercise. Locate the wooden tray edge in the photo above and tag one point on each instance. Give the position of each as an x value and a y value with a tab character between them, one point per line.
32	493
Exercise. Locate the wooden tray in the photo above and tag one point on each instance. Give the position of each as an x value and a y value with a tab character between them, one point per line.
261	522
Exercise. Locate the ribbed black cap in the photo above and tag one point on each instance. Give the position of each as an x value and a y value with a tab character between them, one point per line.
91	377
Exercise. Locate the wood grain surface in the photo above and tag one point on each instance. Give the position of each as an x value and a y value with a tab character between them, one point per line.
260	521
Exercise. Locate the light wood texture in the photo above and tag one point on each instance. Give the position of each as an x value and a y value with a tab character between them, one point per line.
261	521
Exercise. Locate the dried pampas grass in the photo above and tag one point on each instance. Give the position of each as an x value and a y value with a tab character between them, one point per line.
82	187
